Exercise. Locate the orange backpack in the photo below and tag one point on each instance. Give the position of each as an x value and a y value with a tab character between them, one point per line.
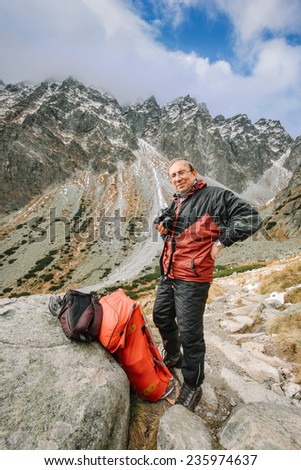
125	334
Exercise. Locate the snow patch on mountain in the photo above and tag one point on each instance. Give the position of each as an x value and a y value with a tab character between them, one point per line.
273	180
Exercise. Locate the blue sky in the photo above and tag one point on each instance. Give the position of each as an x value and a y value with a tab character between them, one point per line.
190	28
237	56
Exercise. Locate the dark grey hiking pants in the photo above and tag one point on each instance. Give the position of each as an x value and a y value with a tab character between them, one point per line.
178	314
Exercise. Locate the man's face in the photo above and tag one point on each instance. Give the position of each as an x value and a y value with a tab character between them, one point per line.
181	177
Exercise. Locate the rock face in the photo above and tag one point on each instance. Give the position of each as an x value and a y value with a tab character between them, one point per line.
294	158
286	219
58	394
53	131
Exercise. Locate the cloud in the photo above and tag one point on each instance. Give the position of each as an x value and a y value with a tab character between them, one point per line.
255	23
170	11
252	19
105	43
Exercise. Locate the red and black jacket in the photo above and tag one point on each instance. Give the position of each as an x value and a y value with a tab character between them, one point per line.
206	214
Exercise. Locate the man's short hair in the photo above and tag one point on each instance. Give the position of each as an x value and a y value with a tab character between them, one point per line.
181	159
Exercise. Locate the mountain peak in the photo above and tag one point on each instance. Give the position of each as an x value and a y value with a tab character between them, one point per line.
152	100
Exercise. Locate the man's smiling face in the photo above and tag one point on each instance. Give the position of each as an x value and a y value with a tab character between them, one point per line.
181	176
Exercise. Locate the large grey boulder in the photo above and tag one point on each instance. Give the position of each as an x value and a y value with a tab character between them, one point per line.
263	426
57	394
180	429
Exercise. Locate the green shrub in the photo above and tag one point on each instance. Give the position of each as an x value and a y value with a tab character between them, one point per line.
57	268
56	287
10	251
42	263
223	271
47	277
29	275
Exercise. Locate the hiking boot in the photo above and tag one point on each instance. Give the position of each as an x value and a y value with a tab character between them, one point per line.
189	396
173	360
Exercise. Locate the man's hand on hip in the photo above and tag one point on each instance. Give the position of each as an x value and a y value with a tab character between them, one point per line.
215	250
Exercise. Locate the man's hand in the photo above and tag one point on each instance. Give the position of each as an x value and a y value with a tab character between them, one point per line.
161	229
215	251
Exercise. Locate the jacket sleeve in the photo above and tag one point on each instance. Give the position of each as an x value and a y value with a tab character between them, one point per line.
238	219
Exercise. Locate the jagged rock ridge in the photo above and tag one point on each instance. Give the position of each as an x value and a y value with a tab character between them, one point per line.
233	151
53	130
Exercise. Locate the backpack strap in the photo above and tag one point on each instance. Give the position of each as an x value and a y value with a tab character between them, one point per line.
165	274
97	318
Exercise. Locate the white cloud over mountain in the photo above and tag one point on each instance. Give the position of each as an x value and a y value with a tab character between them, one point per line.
106	43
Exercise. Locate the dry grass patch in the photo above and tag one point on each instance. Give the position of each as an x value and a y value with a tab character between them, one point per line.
285	276
287	339
144	424
287	328
214	292
293	296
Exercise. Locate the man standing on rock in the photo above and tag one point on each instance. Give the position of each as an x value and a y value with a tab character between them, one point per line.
200	222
